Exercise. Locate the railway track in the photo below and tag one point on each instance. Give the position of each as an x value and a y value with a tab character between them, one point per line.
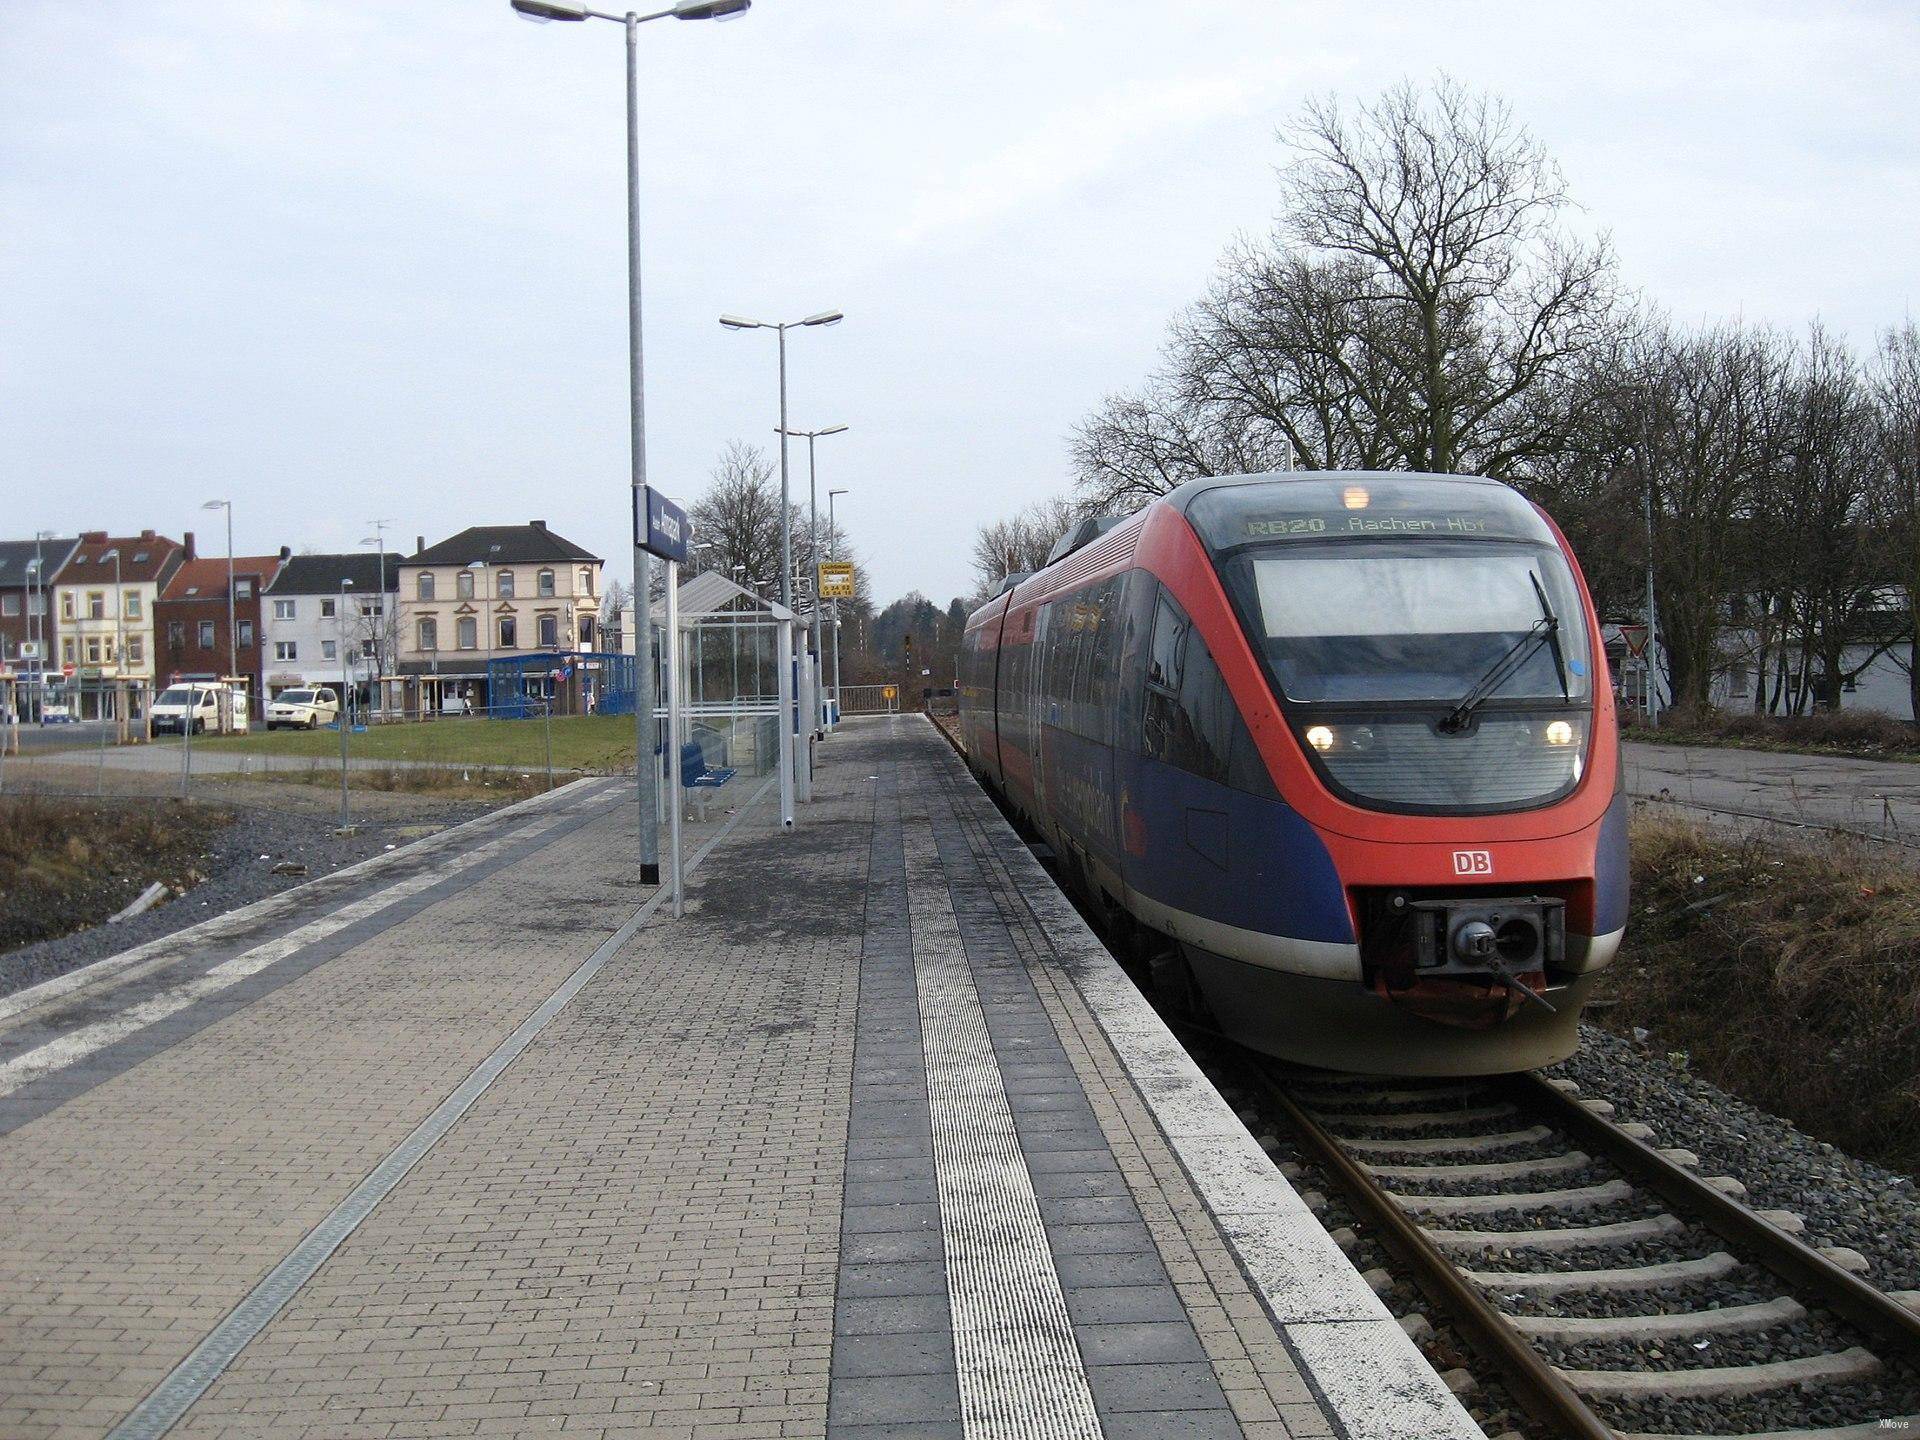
1614	1289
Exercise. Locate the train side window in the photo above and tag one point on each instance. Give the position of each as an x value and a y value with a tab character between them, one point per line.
1193	723
1160	716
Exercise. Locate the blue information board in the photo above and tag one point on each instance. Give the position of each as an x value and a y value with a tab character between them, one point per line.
659	526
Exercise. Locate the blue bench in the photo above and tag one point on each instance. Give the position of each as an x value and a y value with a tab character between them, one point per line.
697	774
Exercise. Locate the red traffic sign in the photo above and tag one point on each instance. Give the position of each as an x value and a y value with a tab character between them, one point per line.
1636	638
66	669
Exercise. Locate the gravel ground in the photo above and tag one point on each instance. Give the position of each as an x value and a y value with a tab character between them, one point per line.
239	863
1845	1201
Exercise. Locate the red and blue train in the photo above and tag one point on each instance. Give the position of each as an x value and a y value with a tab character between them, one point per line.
1338	748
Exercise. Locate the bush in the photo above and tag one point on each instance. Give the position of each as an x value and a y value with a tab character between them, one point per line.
1788	975
1866	733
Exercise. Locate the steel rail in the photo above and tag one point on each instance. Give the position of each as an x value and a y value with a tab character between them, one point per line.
1538	1387
1794	1260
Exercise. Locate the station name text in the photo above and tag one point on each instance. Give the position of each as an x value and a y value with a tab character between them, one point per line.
1369	525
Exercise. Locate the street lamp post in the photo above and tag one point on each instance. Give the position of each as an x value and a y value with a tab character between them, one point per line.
645	770
119	644
813	554
382	634
233	633
838	709
780	327
340	714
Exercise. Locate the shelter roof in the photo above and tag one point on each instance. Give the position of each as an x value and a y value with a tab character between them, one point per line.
711	594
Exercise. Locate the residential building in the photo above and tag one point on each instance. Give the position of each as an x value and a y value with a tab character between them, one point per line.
306	633
191	640
103	599
29	636
490	592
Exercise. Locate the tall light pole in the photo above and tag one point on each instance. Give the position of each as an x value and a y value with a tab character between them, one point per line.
382	620
813	548
233	633
839	711
340	714
120	637
780	327
645	771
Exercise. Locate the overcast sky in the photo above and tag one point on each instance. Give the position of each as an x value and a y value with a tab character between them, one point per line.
347	259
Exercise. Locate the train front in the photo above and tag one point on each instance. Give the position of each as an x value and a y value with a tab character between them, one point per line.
1434	707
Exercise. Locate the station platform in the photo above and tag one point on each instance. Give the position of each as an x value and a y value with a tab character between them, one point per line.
875	1141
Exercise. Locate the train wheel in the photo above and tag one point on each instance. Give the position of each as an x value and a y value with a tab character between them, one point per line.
1174	986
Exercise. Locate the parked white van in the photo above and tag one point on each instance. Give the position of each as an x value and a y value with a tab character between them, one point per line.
215	709
307	708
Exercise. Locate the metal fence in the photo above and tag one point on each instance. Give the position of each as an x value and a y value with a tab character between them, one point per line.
869	699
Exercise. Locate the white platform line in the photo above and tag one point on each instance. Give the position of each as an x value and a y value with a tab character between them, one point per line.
1020	1372
76	1045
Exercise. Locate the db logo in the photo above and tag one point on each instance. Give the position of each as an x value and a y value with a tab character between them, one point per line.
1473	862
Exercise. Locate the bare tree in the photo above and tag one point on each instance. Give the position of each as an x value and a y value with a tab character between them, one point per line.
740	516
1475	293
1420	305
1021	541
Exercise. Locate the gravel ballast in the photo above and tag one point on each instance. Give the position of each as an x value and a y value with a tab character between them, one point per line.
239	863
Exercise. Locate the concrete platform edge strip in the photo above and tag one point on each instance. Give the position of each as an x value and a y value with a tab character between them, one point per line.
1373	1380
182	943
170	1400
1020	1371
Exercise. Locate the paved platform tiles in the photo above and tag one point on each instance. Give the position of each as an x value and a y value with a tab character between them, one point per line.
876	1141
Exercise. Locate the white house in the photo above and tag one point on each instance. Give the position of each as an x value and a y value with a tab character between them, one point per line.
307	634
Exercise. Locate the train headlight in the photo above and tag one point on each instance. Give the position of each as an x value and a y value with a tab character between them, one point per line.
1355	497
1559	732
1320	738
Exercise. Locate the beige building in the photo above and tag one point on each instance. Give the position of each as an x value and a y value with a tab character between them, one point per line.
103	600
491	592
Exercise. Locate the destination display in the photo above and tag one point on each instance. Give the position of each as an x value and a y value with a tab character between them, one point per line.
1365	507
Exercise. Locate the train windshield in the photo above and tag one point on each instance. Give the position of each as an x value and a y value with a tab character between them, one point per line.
1420	621
1425	635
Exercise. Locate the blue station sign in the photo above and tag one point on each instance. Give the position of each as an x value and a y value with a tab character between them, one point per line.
660	527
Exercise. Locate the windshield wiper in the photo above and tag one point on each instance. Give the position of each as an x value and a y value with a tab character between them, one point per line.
1547	627
1553	636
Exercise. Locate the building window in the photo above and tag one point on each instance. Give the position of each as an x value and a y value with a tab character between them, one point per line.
9	604
286	650
549	632
66	651
586	582
243	589
329	650
504	585
206	634
423	587
509	632
544	582
283	610
176	634
66	606
246	634
429	634
467	633
93	650
96	604
328	608
586	629
463	584
136	649
132	604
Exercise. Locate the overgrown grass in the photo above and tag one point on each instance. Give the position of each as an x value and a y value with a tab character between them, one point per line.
1788	975
68	864
580	742
1866	734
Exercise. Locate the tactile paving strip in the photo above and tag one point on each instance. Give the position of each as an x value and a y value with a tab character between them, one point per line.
1021	1375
